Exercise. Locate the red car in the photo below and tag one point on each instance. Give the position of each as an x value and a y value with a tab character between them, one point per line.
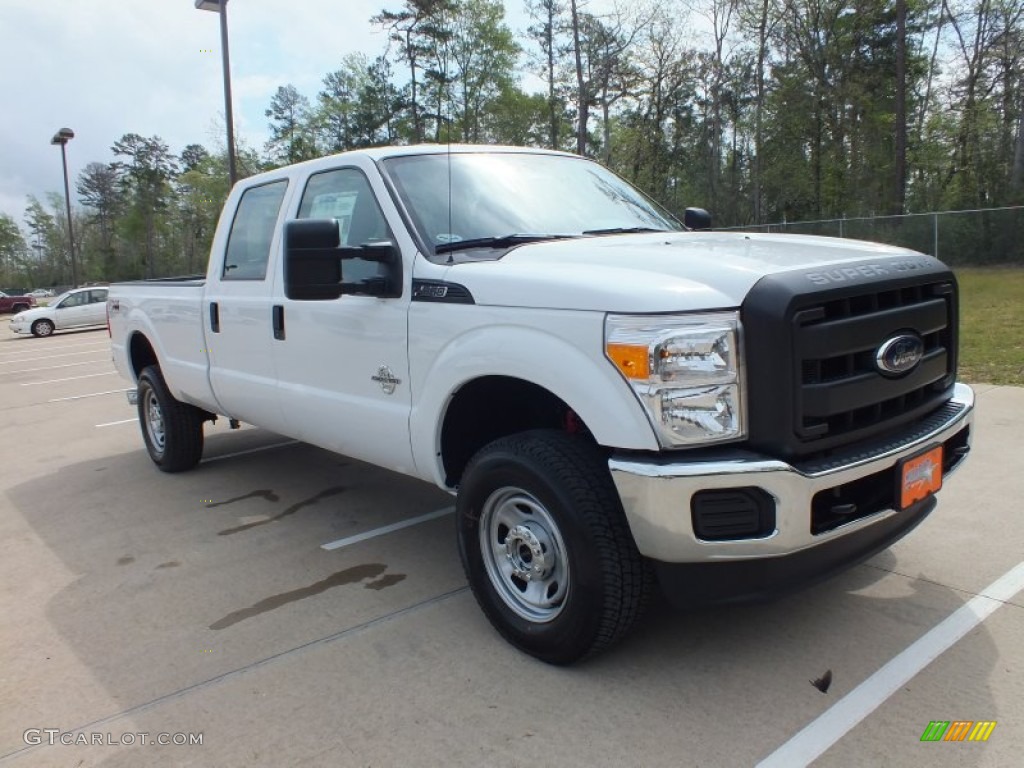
16	303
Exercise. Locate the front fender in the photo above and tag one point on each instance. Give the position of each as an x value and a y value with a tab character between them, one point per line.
568	362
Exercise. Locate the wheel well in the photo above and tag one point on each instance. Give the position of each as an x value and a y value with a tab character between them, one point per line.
141	354
491	407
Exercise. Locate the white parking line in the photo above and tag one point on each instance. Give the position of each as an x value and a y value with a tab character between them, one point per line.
332	545
91	394
48	357
52	367
43	346
250	450
818	736
114	423
69	378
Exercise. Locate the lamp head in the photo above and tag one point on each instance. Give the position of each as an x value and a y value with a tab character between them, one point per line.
209	5
63	136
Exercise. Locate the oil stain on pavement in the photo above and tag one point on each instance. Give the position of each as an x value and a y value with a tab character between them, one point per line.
267	494
368	572
289	511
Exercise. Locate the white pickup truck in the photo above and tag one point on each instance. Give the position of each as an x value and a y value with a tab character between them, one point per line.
615	398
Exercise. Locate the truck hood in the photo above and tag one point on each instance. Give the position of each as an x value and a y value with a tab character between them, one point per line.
661	272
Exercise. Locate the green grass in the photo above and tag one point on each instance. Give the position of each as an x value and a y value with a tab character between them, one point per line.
992	325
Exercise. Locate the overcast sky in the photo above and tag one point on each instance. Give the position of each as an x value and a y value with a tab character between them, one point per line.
108	67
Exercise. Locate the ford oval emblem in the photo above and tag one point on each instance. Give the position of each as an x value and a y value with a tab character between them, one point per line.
900	354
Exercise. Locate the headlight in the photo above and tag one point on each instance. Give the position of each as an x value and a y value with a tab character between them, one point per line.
686	370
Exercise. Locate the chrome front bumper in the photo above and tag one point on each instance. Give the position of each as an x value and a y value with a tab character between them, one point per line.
656	495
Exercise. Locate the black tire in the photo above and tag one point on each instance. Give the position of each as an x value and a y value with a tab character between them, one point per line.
19	308
42	328
549	477
176	442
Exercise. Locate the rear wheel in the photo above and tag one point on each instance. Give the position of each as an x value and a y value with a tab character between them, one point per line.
546	546
42	328
172	430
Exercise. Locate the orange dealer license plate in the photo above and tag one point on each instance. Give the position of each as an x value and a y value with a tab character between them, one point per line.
919	476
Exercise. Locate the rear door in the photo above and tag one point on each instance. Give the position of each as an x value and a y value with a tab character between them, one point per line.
236	308
95	312
343	363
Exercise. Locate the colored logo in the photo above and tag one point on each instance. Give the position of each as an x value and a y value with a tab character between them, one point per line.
899	355
958	730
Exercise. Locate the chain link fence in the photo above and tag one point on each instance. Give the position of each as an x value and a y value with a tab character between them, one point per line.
979	237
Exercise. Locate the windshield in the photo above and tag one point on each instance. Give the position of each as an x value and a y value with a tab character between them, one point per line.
517	196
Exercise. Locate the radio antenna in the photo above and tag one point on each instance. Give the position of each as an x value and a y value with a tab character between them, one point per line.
448	129
445	82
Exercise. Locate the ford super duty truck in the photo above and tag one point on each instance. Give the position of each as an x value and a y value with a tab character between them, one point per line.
615	398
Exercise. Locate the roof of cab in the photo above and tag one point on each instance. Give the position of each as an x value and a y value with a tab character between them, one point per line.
383	153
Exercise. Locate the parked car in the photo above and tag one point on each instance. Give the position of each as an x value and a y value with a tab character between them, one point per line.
79	308
610	395
40	293
16	303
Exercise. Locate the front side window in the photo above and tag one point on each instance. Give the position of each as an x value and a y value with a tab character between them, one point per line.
74	300
252	231
345	194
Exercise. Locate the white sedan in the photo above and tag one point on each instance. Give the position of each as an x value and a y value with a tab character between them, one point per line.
79	308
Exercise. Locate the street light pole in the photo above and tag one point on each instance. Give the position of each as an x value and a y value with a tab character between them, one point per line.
221	7
62	137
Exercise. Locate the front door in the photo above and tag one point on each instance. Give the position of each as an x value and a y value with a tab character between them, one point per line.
71	311
343	363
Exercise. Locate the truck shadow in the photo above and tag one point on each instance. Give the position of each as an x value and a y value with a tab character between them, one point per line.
157	581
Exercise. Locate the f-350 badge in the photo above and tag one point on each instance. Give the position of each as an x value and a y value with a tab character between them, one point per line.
386	379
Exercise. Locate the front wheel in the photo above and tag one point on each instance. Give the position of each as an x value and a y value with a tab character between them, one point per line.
172	430
42	328
546	546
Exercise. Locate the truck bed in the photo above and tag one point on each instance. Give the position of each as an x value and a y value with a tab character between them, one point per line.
168	309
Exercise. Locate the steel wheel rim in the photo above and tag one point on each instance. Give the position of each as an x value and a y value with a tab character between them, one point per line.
154	421
524	554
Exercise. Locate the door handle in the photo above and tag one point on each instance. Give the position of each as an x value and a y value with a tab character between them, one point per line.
278	317
214	317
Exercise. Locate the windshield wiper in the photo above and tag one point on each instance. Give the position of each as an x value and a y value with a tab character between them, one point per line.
504	241
622	230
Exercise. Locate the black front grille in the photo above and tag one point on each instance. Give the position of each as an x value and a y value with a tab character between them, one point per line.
813	382
841	389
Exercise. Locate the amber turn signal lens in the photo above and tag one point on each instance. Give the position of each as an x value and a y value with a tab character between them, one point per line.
631	359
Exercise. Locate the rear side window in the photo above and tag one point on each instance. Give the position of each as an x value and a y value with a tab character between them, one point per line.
252	232
95	297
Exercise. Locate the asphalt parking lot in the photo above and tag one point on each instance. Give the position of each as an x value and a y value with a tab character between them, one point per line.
135	602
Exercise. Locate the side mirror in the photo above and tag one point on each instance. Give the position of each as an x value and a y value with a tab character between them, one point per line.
312	264
313	257
697	218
